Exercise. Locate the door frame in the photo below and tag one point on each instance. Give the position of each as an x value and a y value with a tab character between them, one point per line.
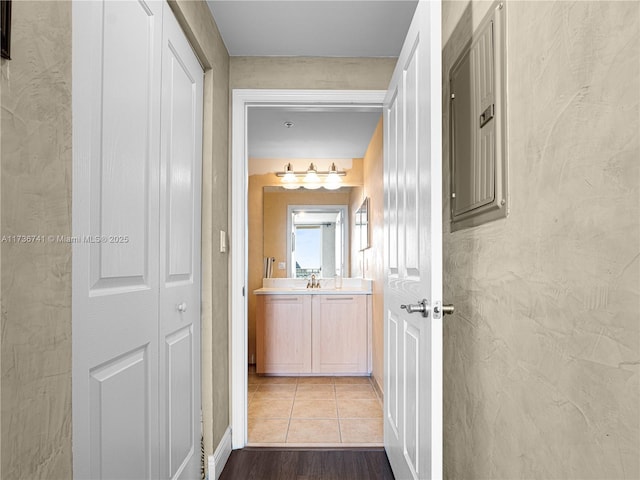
241	100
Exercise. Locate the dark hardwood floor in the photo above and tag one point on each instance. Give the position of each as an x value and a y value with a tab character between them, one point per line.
307	464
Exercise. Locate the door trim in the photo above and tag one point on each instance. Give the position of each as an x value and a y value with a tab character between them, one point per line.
241	100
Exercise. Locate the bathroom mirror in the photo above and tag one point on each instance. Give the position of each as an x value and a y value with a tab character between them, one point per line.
362	225
307	231
316	244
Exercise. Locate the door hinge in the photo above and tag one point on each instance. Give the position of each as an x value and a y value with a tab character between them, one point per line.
243	291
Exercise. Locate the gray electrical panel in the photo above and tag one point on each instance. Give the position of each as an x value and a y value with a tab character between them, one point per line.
478	126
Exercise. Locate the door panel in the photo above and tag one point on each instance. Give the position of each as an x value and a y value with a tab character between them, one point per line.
180	167
121	202
391	182
115	278
413	253
283	333
391	395
180	379
120	445
412	419
411	170
339	334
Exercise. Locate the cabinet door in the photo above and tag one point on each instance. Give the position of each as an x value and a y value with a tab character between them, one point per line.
340	334
283	334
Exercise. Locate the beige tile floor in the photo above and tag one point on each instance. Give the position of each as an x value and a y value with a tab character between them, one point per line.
318	411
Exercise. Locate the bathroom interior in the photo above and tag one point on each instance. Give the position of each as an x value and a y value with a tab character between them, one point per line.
315	263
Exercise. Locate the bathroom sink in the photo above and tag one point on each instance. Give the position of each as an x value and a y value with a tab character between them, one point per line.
283	286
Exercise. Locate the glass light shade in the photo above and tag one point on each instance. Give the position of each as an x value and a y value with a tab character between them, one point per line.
311	179
329	185
291	186
333	180
289	181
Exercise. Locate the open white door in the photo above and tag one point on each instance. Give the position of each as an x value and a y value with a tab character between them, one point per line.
413	253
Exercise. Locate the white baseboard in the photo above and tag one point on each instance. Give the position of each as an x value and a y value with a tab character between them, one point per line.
218	460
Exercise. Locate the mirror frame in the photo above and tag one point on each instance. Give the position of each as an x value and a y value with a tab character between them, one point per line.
362	225
320	208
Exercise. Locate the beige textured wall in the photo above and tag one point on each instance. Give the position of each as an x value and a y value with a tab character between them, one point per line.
369	263
203	34
311	72
36	278
374	256
542	358
256	230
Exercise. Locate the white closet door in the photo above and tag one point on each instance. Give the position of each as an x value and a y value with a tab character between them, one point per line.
116	112
136	260
180	173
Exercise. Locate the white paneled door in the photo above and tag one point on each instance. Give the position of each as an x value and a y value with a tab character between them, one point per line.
180	185
137	127
413	254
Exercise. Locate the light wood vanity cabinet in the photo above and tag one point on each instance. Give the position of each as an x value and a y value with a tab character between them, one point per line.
339	334
313	334
283	334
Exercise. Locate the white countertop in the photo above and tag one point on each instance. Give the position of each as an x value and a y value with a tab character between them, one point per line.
311	291
297	286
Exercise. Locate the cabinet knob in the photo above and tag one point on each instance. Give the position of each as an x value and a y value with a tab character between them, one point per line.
181	307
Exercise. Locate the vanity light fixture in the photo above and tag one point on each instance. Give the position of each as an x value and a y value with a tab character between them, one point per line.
312	178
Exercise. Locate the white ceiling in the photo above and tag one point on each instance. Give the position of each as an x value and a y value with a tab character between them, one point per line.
325	132
321	28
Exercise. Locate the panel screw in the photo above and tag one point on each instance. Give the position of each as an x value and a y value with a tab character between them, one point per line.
453	95
503	201
453	195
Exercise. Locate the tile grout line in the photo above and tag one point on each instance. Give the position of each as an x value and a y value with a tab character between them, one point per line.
335	396
286	435
293	404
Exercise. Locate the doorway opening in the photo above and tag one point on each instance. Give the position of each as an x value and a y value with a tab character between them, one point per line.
243	101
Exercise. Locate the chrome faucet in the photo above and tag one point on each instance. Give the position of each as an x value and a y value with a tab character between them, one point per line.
313	283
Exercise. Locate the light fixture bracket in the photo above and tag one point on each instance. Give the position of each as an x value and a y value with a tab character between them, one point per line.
288	170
